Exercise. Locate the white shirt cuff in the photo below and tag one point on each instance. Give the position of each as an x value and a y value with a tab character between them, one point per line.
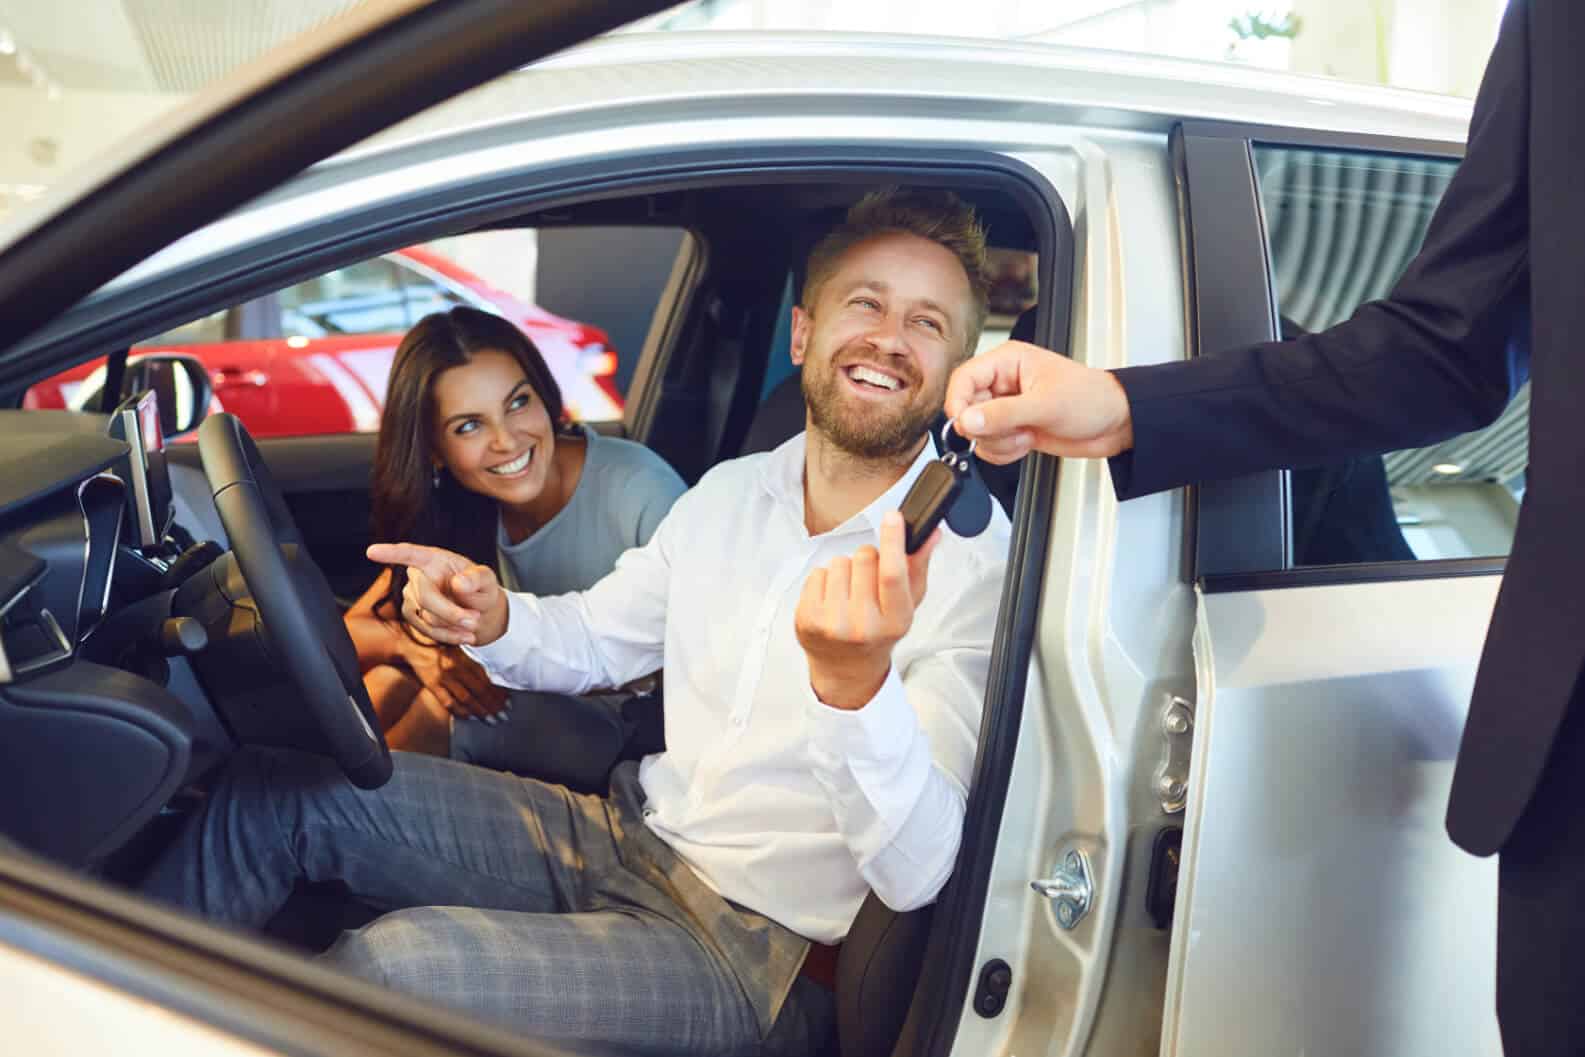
498	657
863	734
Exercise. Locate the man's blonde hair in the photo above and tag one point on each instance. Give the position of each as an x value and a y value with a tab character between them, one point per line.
937	215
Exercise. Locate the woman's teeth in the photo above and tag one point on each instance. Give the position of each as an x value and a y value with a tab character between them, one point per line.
506	469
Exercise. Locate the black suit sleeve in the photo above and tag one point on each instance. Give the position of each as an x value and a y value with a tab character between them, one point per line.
1441	355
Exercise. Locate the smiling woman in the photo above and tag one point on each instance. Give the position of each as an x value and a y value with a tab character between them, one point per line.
477	455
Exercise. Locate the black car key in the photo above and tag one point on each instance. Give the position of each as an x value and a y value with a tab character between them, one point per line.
928	501
934	492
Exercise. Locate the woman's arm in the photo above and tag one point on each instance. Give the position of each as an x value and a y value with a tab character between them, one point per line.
378	639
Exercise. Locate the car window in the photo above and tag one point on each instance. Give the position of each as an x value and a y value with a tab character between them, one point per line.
1341	227
362	298
1013	292
201	331
314	357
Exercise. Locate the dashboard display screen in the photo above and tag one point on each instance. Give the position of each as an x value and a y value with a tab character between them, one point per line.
137	421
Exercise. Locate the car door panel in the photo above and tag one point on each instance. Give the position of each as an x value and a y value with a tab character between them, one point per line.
1321	907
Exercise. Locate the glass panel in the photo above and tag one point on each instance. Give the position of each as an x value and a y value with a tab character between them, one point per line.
364	298
1014	291
314	358
1342	227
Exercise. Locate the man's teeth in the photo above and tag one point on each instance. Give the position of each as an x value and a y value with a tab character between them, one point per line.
865	374
508	468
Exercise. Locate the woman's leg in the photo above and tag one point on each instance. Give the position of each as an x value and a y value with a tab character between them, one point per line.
412	719
573	741
391	691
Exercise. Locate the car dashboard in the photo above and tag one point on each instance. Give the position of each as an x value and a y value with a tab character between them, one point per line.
102	719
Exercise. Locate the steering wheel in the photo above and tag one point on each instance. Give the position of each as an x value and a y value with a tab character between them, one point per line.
302	624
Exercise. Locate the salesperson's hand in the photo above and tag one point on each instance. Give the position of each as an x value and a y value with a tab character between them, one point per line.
1018	398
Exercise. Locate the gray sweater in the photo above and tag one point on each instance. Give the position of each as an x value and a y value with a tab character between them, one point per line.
623	494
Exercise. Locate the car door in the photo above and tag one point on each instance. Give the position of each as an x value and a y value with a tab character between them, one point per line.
1341	609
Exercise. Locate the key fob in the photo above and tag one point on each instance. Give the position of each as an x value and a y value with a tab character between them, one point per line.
927	502
970	513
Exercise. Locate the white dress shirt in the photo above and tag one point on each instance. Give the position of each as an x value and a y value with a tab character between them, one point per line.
779	802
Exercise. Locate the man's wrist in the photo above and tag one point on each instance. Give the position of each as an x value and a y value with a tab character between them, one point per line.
492	625
849	689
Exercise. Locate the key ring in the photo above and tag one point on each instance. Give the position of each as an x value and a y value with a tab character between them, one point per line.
948	431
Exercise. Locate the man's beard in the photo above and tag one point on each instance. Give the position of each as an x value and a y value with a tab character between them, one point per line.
865	435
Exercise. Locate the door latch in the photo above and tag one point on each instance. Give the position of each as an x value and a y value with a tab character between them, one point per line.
1172	775
1071	887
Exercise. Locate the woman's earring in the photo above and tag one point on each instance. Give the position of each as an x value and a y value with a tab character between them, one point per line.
435	479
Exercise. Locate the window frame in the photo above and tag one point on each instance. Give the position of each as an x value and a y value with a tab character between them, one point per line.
1239	533
254	268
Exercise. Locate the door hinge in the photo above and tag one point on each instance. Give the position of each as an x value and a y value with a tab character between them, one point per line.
1172	774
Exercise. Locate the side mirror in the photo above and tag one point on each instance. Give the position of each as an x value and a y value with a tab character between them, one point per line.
183	385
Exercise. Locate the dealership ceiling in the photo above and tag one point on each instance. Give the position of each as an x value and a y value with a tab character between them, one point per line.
171	46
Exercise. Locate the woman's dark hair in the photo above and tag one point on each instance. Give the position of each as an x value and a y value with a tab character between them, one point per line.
408	506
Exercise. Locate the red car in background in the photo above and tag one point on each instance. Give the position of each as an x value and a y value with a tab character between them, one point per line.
314	358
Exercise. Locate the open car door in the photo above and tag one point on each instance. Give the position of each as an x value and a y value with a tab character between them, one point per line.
1321	907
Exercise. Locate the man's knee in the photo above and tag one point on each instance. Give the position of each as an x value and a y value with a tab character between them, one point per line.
408	950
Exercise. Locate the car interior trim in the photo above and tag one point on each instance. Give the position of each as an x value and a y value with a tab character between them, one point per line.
99	519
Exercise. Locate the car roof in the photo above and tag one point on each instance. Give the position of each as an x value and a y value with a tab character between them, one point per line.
1098	87
630	80
643	78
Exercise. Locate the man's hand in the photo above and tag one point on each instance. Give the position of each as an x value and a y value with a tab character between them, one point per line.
1017	397
447	597
456	681
853	611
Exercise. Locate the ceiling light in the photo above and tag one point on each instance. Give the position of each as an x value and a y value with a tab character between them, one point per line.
1447	468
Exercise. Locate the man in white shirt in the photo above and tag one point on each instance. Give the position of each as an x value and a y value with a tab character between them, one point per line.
822	711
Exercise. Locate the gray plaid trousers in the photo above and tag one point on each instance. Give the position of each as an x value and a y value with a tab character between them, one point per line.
558	915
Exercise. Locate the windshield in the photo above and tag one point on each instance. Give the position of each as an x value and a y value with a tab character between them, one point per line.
77	76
